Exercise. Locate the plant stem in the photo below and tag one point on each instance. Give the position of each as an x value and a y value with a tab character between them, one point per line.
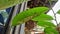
53	12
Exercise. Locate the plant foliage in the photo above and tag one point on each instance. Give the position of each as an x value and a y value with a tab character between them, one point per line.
46	24
58	12
28	15
9	3
42	17
36	14
50	30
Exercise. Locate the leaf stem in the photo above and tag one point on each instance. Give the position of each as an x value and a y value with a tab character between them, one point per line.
53	12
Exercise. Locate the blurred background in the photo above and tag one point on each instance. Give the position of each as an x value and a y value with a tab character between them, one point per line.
8	14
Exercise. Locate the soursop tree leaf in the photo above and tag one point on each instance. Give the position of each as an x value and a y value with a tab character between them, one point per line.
46	24
9	3
42	17
58	12
50	30
28	15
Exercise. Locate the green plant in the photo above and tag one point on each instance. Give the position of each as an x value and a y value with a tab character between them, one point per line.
9	3
28	15
58	12
36	14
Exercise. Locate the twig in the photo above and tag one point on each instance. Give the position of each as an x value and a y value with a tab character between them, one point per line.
53	12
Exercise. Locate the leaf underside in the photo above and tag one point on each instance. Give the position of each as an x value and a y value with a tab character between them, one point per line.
9	3
28	15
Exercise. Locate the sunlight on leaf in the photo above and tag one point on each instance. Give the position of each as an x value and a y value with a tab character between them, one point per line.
28	15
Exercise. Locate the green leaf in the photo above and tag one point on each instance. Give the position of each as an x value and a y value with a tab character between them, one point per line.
50	30
28	15
9	3
58	12
42	17
45	24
